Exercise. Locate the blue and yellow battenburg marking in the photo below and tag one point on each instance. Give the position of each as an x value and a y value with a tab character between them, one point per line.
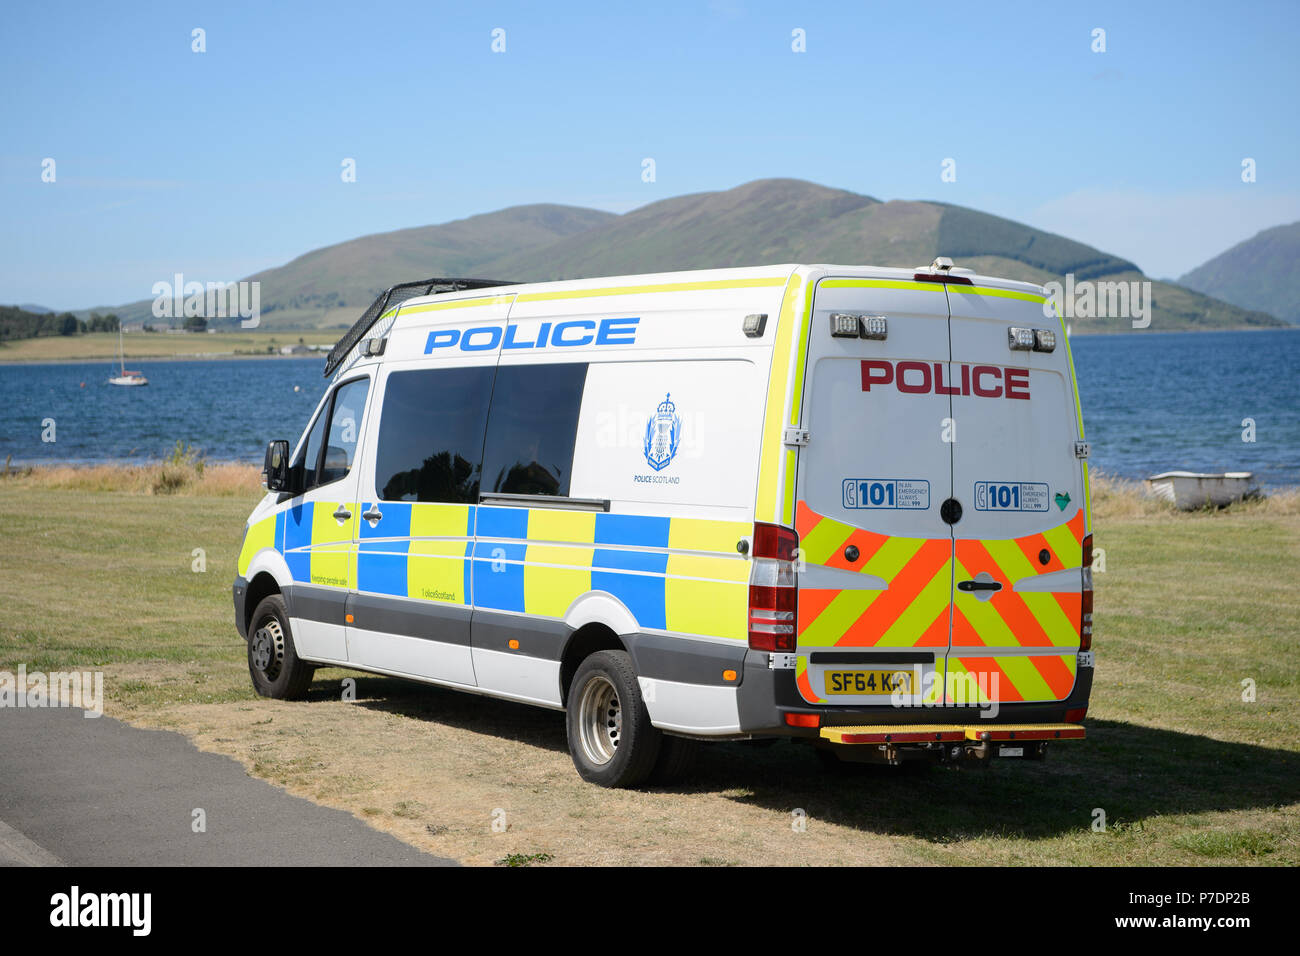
674	574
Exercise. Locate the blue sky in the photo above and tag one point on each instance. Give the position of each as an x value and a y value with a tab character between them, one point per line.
222	163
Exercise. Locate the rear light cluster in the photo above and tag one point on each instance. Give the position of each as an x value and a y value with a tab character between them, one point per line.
773	589
1085	618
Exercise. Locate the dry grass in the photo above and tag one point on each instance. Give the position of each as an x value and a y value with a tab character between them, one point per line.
99	573
1114	497
162	478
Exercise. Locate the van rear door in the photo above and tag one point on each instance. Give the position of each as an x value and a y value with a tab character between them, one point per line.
875	575
1023	492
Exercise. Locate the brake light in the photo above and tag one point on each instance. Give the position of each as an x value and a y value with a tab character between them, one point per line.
1085	607
773	589
941	277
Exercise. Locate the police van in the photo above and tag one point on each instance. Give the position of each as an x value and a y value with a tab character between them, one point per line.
839	503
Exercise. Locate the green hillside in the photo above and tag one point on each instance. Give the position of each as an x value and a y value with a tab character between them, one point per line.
763	222
333	285
1261	273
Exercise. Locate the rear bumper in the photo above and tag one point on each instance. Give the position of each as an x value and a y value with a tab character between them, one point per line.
766	696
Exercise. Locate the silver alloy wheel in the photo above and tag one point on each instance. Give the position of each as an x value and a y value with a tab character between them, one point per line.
268	648
600	720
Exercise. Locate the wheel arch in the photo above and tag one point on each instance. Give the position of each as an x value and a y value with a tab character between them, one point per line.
262	585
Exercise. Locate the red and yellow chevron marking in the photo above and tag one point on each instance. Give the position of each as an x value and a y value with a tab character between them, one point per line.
1008	619
1009	678
913	612
922	608
804	683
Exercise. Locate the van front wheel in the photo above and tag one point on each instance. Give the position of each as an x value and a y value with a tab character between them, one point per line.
611	739
273	662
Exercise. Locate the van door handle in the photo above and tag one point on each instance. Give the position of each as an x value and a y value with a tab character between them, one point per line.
979	585
342	514
374	514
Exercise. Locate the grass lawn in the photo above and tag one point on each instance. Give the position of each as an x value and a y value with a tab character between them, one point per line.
146	345
1186	772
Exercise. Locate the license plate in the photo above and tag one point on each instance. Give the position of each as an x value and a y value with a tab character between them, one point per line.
868	682
1011	752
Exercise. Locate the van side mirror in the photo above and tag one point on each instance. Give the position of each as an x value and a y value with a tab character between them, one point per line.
276	470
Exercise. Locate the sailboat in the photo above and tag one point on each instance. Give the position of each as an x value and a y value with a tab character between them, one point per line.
126	378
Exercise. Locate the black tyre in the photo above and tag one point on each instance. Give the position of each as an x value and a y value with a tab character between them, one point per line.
273	662
676	757
610	736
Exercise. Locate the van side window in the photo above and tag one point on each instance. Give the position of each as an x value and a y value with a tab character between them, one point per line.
310	457
431	434
344	431
532	427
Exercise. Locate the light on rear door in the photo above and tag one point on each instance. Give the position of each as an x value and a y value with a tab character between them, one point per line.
852	325
874	327
845	325
1020	340
1031	340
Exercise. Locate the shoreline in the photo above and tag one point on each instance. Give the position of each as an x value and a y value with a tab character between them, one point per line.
137	359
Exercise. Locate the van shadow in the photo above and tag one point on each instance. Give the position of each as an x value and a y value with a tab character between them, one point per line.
1130	771
505	719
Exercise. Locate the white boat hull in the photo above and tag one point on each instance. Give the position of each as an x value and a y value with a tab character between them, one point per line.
1189	490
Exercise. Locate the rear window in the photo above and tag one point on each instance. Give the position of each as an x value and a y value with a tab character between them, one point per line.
532	428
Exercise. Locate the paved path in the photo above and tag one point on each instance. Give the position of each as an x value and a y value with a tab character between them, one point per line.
97	792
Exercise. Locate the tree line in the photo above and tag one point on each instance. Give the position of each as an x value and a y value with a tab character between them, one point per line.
16	323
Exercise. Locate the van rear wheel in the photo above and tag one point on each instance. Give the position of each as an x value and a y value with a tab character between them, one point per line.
611	739
273	662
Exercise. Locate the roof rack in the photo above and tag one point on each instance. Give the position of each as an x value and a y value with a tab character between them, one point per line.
396	295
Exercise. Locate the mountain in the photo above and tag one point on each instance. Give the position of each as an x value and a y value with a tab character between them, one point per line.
332	285
771	220
1261	273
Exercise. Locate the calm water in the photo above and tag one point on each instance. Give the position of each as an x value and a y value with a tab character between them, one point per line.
1150	402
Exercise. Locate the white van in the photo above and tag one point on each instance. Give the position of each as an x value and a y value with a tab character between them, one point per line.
839	503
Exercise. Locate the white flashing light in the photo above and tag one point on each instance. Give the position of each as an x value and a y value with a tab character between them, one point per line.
845	325
1020	340
875	327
